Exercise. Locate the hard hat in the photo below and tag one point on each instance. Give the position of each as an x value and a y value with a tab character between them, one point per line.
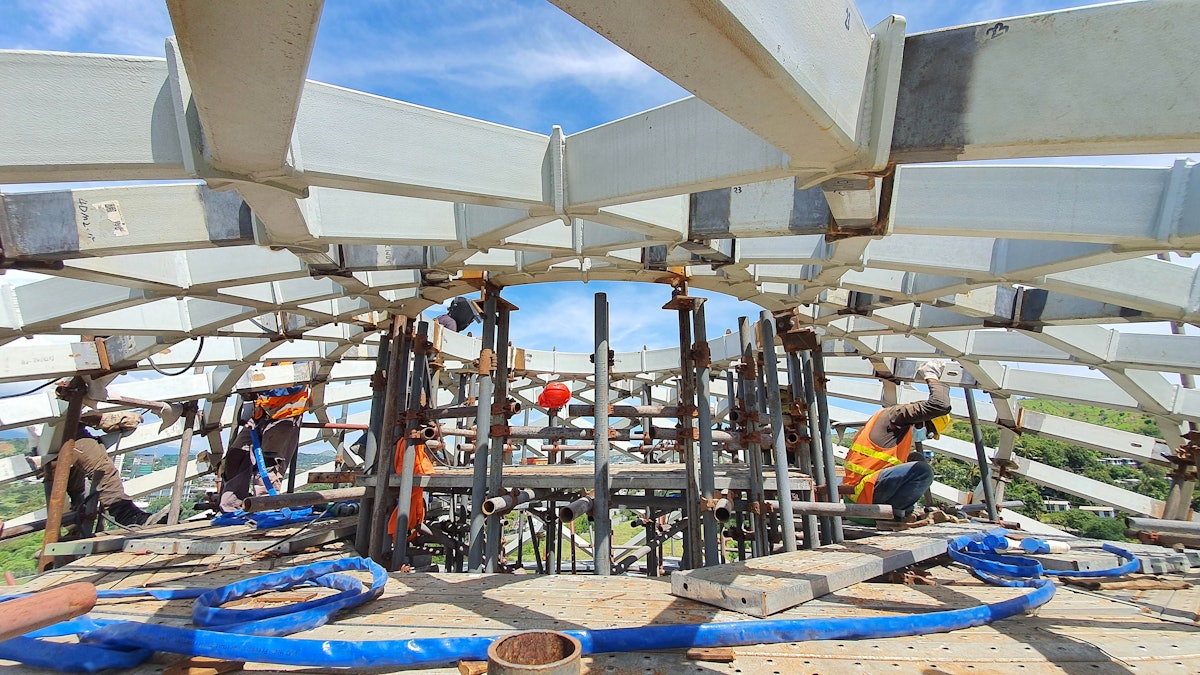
554	396
936	425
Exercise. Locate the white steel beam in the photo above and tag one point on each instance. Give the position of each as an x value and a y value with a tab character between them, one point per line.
966	92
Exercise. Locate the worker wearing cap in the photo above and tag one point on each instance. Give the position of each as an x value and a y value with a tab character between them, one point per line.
462	313
92	463
881	467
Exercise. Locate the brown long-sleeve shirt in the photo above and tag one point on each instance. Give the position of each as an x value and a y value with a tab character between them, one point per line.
895	421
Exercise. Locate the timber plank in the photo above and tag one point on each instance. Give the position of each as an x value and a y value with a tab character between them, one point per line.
770	584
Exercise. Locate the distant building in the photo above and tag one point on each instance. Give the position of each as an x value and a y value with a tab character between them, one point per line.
1055	505
1119	461
1101	511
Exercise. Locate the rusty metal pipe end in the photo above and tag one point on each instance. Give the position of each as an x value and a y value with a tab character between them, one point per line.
544	652
723	510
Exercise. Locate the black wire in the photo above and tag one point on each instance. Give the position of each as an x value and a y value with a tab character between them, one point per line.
182	370
26	393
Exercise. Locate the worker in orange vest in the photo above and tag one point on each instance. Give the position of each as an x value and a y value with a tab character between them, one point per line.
276	418
881	467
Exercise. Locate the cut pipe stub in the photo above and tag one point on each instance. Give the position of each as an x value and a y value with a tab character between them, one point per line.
544	652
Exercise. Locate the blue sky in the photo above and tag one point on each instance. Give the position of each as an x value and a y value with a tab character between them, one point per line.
523	63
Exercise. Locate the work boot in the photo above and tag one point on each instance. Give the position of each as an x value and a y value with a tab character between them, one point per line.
128	514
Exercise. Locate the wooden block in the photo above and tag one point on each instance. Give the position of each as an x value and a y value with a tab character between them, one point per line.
202	665
770	584
711	654
472	667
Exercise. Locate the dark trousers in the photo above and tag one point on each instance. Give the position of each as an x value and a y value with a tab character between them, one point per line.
903	486
279	438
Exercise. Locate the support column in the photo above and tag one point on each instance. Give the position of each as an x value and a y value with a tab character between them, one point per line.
685	442
56	502
747	377
495	524
602	541
702	361
385	456
814	443
483	420
653	560
362	536
185	450
800	424
412	442
831	479
783	479
985	467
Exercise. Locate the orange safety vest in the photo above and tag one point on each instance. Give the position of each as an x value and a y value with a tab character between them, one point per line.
281	406
865	460
423	466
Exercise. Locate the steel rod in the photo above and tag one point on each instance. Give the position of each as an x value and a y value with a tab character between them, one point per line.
385	462
483	419
753	452
495	526
602	541
46	608
831	479
815	445
803	449
985	467
362	536
259	503
420	371
693	535
1160	525
783	480
185	451
712	530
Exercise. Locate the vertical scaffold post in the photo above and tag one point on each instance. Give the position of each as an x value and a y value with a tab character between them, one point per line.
495	524
483	420
748	384
803	450
831	479
602	546
693	537
815	445
185	451
385	457
985	469
702	360
56	503
652	558
362	535
412	446
731	404
783	479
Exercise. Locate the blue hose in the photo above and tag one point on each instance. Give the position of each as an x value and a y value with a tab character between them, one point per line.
256	446
223	633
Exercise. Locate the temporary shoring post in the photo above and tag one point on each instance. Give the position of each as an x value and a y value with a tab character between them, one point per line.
185	450
712	529
495	524
371	448
652	558
815	446
753	453
804	450
483	420
412	446
831	480
692	538
731	397
385	457
56	504
985	470
602	544
782	476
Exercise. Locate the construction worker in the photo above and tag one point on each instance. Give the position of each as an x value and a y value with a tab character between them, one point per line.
881	467
92	463
462	313
275	418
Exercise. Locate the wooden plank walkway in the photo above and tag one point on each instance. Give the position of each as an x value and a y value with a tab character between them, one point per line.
201	538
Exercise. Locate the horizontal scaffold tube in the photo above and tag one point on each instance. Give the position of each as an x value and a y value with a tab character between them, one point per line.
629	411
498	506
579	507
256	504
511	408
971	508
869	511
629	559
1160	525
567	433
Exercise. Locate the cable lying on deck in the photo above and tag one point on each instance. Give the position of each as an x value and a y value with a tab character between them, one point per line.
222	632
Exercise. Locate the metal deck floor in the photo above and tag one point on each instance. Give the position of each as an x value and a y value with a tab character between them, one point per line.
1077	632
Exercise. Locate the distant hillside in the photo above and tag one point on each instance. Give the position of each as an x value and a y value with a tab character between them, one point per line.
13	446
1134	422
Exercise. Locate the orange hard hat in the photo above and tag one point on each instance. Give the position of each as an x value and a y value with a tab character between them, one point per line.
555	395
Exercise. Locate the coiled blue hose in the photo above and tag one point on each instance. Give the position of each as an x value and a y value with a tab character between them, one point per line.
223	633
